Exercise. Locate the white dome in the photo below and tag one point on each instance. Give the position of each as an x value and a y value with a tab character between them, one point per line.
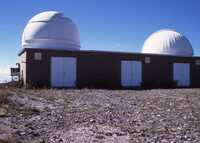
168	42
51	30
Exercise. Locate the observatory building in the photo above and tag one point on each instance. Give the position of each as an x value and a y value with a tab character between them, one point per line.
51	56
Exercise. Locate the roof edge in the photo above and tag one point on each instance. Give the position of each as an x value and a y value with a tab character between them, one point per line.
101	51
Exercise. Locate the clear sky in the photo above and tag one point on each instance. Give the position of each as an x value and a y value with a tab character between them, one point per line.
120	25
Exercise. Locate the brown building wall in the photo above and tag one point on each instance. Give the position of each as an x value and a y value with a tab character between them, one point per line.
158	71
98	70
103	69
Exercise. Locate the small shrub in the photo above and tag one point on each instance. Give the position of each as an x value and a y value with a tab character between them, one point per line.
3	96
7	137
3	102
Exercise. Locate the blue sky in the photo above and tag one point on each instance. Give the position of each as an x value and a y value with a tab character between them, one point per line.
120	25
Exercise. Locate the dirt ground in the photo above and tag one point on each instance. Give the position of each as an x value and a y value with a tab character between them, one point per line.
100	116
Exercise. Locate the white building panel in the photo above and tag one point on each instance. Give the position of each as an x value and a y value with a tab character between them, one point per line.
181	74
69	72
63	72
131	73
23	67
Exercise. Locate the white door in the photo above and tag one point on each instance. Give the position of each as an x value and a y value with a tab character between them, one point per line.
131	73
69	72
181	74
56	72
63	72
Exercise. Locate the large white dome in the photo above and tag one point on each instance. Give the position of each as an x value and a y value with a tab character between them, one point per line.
51	30
168	42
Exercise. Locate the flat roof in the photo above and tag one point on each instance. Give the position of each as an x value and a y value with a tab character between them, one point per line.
102	51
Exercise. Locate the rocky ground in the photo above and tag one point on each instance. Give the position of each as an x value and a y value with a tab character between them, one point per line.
98	116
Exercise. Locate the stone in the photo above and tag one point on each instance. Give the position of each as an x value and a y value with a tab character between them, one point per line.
3	112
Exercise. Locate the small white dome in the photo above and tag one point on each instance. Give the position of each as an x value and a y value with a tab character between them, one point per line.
51	30
168	42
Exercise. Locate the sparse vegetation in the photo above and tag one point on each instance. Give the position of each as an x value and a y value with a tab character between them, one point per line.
3	96
52	116
3	102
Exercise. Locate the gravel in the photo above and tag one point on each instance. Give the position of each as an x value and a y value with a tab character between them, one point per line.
111	116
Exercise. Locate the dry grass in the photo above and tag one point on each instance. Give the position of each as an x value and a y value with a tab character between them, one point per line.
3	96
7	137
4	107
